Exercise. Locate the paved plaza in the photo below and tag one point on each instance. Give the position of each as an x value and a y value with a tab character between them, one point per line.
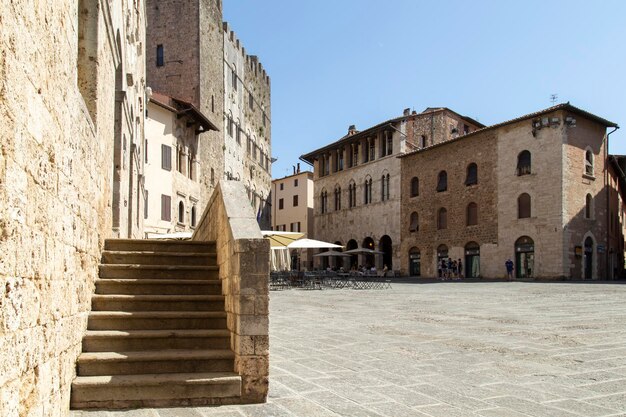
441	350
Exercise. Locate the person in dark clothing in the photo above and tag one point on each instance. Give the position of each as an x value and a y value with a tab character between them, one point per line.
509	268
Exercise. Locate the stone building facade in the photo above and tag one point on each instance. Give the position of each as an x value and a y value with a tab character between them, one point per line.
521	166
247	125
173	194
185	61
617	216
357	182
71	94
201	61
292	209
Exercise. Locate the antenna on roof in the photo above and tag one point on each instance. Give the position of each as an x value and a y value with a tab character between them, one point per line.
553	98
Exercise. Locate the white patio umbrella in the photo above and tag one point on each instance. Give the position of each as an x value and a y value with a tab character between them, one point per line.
312	244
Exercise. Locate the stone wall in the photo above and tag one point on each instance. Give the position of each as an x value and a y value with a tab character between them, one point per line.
58	125
192	70
576	185
249	159
453	157
243	259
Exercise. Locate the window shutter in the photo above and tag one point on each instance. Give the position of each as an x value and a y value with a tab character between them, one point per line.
166	157
166	207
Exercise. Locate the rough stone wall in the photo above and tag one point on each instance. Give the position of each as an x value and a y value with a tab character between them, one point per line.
454	158
211	87
376	219
545	226
436	126
130	101
576	185
192	70
56	157
258	120
179	76
243	258
247	162
616	226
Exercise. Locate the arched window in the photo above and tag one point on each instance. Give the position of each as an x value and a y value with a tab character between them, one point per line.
472	214
352	194
368	191
415	187
238	132
193	216
337	198
323	201
442	219
523	163
234	77
523	206
414	225
472	174
181	212
442	182
589	162
384	187
588	207
388	188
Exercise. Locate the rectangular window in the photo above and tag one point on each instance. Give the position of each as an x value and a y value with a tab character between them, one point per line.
145	150
166	208
282	186
372	149
299	230
159	56
166	157
234	75
295	182
281	204
250	101
295	201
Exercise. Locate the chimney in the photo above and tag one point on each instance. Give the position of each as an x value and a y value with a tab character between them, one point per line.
298	167
406	112
294	169
413	112
351	130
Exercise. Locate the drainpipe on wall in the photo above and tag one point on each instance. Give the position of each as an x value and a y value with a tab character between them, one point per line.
608	201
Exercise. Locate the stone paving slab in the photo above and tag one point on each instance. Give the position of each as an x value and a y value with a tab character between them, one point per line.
441	349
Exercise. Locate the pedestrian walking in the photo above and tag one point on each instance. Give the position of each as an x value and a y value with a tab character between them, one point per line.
509	268
460	267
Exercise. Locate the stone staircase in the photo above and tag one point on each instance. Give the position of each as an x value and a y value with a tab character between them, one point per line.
156	335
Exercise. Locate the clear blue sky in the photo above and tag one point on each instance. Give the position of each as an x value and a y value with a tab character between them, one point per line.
342	62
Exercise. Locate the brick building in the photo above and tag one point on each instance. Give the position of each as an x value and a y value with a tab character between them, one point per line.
357	181
533	189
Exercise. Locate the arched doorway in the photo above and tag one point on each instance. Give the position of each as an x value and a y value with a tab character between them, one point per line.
385	246
368	243
339	259
442	255
354	259
525	257
588	264
472	260
415	260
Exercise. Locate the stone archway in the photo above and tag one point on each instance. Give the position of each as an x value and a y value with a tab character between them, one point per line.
385	245
354	259
369	260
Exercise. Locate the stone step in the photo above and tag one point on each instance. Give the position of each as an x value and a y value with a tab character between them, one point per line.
125	302
142	340
155	362
156	320
158	286
135	271
158	245
154	390
158	258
